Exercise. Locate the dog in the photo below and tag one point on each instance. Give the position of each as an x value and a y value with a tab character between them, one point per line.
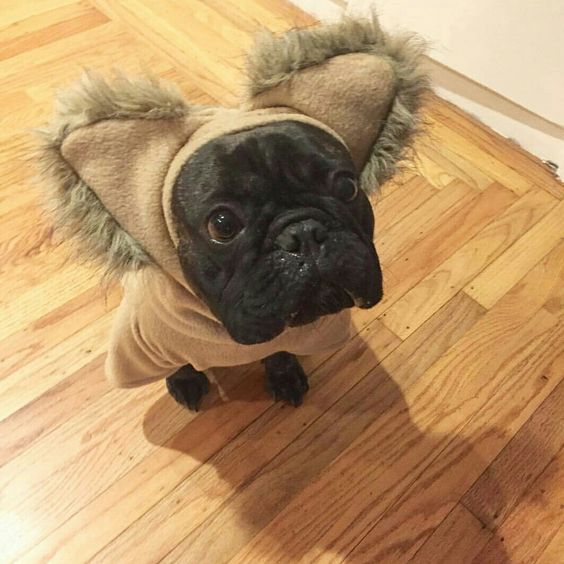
238	234
273	232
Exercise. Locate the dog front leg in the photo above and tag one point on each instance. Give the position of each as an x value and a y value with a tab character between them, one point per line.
188	386
285	378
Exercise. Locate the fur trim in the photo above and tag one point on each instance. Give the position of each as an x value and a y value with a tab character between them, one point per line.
274	59
75	207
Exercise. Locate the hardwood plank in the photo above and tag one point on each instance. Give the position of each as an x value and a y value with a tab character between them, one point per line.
41	416
18	221
253	16
441	237
290	13
61	61
523	163
393	435
196	498
164	424
509	224
555	301
434	173
37	301
418	512
437	335
554	551
40	29
534	522
16	197
39	60
404	176
22	386
28	267
457	539
57	325
378	467
400	203
227	36
360	488
303	460
72	459
403	234
495	280
440	166
77	448
12	161
499	489
14	11
182	43
27	244
446	133
80	535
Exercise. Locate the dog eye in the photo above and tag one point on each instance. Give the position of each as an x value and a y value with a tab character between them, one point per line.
345	188
223	225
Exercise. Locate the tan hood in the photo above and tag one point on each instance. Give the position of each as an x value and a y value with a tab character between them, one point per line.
114	149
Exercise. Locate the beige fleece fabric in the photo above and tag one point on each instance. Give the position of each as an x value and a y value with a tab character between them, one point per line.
337	93
160	326
125	163
114	151
132	164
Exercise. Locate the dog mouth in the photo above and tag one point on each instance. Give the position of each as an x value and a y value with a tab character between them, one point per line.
290	289
329	299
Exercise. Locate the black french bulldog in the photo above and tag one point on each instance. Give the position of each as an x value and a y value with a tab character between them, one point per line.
275	233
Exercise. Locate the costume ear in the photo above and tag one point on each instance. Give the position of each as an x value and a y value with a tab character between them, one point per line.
106	153
351	76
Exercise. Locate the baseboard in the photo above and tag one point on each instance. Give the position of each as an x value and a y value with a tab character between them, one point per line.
533	133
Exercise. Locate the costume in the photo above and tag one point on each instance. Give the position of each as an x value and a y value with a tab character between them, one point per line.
114	149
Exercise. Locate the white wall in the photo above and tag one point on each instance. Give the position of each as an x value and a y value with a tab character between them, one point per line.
502	61
514	47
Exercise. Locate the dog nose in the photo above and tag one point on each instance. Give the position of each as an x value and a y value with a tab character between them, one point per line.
303	237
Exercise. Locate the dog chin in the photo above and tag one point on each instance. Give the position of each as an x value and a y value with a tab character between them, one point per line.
253	335
328	300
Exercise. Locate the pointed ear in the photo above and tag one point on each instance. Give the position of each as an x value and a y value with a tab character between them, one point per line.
338	93
365	85
104	156
124	163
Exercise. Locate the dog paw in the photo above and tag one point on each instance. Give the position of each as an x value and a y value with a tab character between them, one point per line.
188	387
285	378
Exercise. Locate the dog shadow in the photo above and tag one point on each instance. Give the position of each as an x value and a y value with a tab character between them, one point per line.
278	451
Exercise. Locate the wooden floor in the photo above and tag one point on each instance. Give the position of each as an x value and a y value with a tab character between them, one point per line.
436	435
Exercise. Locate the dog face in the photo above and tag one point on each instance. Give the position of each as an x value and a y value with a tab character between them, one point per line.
274	231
